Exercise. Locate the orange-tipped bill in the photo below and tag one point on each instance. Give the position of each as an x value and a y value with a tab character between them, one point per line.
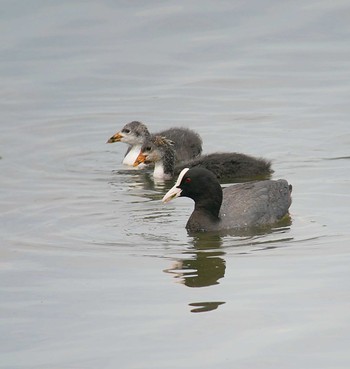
140	159
115	138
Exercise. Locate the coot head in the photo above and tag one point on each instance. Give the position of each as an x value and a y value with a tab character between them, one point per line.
156	149
201	186
133	133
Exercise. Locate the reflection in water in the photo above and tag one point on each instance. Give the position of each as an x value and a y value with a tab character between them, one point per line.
139	179
201	307
203	266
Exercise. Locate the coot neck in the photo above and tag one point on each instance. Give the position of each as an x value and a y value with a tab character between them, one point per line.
169	161
204	218
209	206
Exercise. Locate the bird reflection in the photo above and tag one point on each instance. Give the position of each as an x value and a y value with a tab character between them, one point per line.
204	265
139	180
200	307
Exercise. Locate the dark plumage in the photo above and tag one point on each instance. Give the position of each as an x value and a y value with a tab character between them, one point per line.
226	166
187	143
241	206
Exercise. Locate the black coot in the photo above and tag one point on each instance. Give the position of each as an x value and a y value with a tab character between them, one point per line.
241	206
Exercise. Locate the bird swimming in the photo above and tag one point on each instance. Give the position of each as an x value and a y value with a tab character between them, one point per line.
187	143
227	167
240	206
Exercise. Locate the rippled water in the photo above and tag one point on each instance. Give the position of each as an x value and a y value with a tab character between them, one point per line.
95	271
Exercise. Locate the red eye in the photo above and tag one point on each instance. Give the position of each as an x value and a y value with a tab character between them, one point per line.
188	180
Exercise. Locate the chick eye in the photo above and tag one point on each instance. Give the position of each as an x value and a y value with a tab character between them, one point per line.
148	148
125	130
188	180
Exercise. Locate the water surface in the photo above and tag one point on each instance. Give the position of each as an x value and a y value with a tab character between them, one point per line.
95	271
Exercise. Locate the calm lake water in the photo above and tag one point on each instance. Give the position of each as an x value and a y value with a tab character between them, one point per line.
95	271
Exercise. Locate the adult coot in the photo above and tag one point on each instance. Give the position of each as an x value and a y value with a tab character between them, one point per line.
187	143
227	167
241	206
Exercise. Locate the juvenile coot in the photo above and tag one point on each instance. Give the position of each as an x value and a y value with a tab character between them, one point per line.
241	206
187	143
226	166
